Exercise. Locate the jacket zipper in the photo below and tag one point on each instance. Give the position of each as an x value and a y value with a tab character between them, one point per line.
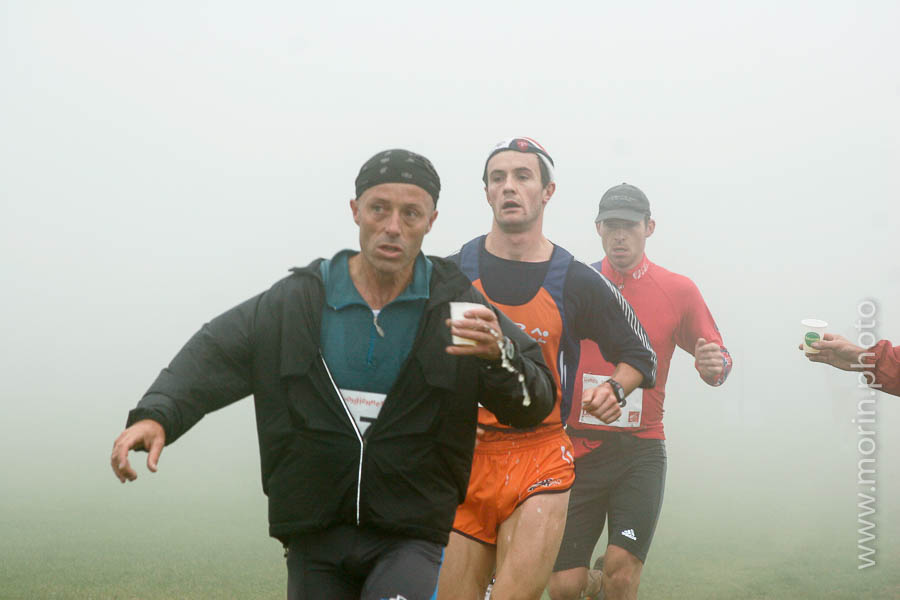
362	443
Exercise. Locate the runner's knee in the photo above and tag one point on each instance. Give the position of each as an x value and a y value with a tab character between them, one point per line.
515	592
567	585
620	580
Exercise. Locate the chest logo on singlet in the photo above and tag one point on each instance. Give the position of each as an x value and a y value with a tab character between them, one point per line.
537	334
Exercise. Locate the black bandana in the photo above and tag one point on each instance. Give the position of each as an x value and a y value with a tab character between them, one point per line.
399	166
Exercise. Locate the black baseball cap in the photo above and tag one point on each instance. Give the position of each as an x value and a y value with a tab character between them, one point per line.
623	201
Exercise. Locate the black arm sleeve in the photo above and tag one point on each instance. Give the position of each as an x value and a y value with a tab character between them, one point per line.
212	370
597	311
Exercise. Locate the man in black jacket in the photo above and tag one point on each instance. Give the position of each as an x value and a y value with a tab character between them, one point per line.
365	410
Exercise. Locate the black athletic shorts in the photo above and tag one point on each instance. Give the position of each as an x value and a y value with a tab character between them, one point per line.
346	562
622	480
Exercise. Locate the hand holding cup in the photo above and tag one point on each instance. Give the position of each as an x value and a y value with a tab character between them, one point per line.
475	331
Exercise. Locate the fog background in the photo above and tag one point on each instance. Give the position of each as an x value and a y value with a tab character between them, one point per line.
164	161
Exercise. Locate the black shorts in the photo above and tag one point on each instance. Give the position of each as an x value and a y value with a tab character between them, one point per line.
623	480
347	562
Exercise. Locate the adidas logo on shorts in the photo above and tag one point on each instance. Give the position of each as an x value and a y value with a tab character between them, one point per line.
629	533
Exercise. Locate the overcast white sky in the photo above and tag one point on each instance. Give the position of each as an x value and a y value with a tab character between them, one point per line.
164	161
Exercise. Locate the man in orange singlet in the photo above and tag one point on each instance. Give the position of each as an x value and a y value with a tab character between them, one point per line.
512	520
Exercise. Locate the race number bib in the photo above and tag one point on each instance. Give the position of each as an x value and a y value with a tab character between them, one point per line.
631	412
364	406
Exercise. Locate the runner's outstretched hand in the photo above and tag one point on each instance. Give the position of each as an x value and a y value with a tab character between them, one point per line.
143	435
837	351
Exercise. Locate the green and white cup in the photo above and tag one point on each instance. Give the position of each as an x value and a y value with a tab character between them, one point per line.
813	330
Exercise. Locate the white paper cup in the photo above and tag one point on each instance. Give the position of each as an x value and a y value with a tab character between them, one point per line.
813	331
457	312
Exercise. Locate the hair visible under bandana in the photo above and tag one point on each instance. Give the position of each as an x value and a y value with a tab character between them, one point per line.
521	144
399	166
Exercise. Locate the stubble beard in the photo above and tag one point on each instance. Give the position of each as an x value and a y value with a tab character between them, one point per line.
518	225
623	265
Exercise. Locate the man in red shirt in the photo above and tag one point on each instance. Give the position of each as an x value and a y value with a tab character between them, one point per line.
621	467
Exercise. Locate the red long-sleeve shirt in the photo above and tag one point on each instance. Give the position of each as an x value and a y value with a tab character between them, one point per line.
886	369
673	313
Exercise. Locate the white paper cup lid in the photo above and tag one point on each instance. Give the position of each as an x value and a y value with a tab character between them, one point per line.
813	323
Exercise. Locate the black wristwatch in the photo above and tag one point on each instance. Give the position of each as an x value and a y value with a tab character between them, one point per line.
617	389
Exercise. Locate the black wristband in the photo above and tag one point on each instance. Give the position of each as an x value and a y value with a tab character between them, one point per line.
617	390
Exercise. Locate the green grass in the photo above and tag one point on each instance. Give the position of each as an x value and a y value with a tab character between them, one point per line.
197	547
105	552
777	521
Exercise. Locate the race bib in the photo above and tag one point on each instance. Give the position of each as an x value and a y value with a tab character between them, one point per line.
364	406
631	412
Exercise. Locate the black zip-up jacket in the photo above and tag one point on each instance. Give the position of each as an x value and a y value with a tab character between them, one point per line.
410	470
